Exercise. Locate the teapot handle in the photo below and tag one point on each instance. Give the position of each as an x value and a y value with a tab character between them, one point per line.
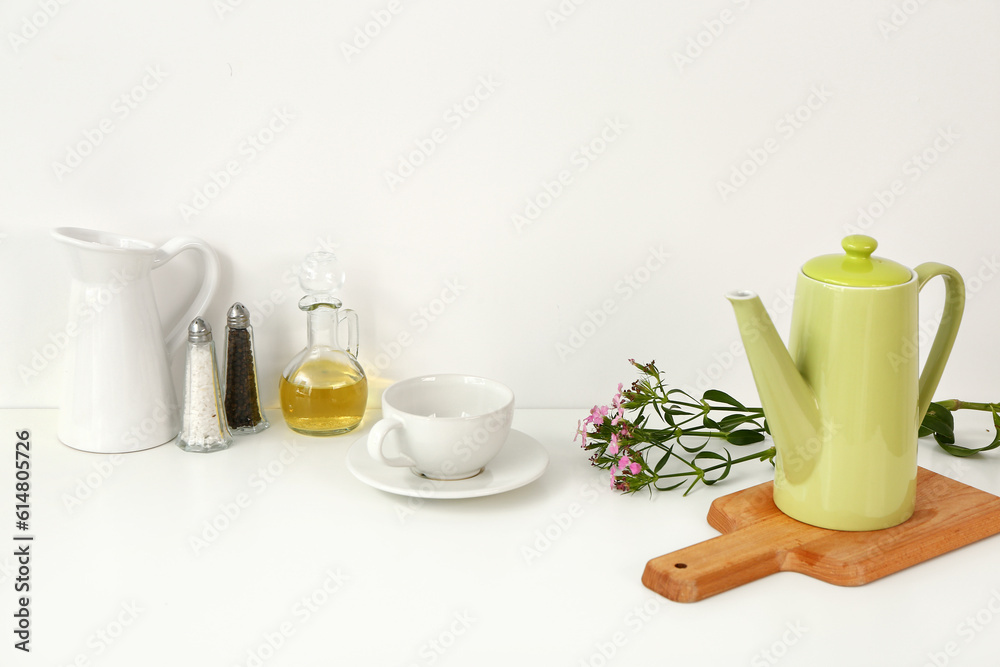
169	250
954	306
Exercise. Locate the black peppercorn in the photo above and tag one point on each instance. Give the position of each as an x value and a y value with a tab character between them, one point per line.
242	401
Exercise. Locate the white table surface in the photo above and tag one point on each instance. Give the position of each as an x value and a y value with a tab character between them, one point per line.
332	572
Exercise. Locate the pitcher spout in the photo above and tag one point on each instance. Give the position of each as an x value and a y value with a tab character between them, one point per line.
789	402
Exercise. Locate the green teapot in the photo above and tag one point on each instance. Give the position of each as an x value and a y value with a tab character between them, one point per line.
844	402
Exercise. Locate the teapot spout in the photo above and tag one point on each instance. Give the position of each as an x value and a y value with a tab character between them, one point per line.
789	402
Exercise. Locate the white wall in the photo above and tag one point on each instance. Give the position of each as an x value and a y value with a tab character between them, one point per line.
885	80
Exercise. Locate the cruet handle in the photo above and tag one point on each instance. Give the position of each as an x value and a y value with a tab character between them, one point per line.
954	305
166	252
352	329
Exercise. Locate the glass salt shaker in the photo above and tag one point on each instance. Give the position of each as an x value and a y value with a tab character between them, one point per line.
203	427
242	401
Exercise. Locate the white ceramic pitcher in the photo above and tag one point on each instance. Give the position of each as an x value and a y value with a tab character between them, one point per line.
118	395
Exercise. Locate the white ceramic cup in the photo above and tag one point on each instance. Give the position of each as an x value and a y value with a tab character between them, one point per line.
444	427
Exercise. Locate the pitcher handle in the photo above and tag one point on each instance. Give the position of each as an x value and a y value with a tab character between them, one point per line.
165	253
954	306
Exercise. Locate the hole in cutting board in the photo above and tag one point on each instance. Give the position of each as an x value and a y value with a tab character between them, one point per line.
680	566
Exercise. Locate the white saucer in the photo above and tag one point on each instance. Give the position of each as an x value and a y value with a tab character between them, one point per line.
521	461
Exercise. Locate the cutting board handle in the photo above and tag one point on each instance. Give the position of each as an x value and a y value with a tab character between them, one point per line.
759	540
716	565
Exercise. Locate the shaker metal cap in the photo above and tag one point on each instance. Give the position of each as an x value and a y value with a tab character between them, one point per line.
199	331
238	316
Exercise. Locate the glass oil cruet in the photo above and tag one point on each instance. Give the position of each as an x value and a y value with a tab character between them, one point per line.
323	389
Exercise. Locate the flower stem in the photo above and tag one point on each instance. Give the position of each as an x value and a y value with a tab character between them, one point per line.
955	404
639	452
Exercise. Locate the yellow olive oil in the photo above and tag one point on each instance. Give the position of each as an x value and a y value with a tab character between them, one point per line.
323	397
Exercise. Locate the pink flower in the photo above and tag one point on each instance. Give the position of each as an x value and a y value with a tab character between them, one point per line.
625	465
614	474
581	432
613	446
597	415
616	403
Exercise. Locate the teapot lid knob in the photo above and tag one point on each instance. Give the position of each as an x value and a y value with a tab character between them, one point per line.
859	246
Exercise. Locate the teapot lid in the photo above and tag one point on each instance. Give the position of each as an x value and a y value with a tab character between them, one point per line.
857	268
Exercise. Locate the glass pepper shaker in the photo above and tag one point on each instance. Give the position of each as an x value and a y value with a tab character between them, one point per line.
242	402
323	389
203	427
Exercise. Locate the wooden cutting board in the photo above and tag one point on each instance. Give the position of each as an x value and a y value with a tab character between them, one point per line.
758	539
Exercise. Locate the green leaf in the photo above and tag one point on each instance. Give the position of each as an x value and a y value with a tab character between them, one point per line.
721	397
663	460
668	488
744	437
715	456
669	395
730	422
693	450
943	439
941	423
956	450
665	414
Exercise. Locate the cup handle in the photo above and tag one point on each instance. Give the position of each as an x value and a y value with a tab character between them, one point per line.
944	340
377	436
165	253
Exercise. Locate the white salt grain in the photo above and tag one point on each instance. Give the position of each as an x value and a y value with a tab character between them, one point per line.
202	427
